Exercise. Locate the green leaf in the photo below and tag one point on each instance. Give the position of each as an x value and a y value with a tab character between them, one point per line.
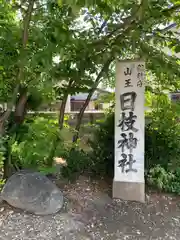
177	49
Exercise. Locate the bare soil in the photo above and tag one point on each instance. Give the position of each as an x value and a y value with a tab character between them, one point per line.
90	213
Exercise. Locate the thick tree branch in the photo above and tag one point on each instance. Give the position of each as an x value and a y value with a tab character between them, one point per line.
94	87
62	111
61	122
63	106
27	22
10	105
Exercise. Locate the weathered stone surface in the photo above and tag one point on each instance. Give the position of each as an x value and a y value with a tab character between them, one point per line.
32	192
129	191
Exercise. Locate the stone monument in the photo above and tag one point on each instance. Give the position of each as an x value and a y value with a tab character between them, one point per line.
128	183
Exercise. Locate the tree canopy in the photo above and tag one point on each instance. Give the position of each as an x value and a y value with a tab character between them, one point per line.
53	48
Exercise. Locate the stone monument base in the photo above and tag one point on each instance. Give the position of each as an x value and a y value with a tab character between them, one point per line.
129	191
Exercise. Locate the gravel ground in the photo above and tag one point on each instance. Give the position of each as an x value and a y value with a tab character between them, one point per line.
90	214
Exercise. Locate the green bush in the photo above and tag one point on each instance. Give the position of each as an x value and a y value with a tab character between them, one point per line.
159	178
38	140
32	148
166	180
78	161
102	146
162	141
2	151
162	137
2	182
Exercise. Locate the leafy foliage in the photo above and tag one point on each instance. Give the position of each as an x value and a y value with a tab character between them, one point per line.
160	178
60	48
82	42
162	135
166	180
78	162
102	145
34	147
2	182
163	145
162	139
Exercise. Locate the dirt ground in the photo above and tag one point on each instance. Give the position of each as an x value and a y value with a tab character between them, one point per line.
89	213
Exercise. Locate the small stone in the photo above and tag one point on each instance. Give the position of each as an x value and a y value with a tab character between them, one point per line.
2	209
159	214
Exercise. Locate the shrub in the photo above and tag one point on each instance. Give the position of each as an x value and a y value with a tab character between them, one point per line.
32	148
2	182
102	146
166	180
2	151
159	178
162	138
38	141
162	141
78	161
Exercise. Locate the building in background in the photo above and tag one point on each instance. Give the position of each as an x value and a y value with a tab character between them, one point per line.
75	102
96	103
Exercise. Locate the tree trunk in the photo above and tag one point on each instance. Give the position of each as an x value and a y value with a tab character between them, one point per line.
10	105
62	112
5	117
63	106
7	168
91	92
56	139
61	122
21	108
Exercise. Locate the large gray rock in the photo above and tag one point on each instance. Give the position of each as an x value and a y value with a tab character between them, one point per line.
32	192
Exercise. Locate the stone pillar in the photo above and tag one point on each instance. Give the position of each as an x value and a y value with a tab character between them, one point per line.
128	183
